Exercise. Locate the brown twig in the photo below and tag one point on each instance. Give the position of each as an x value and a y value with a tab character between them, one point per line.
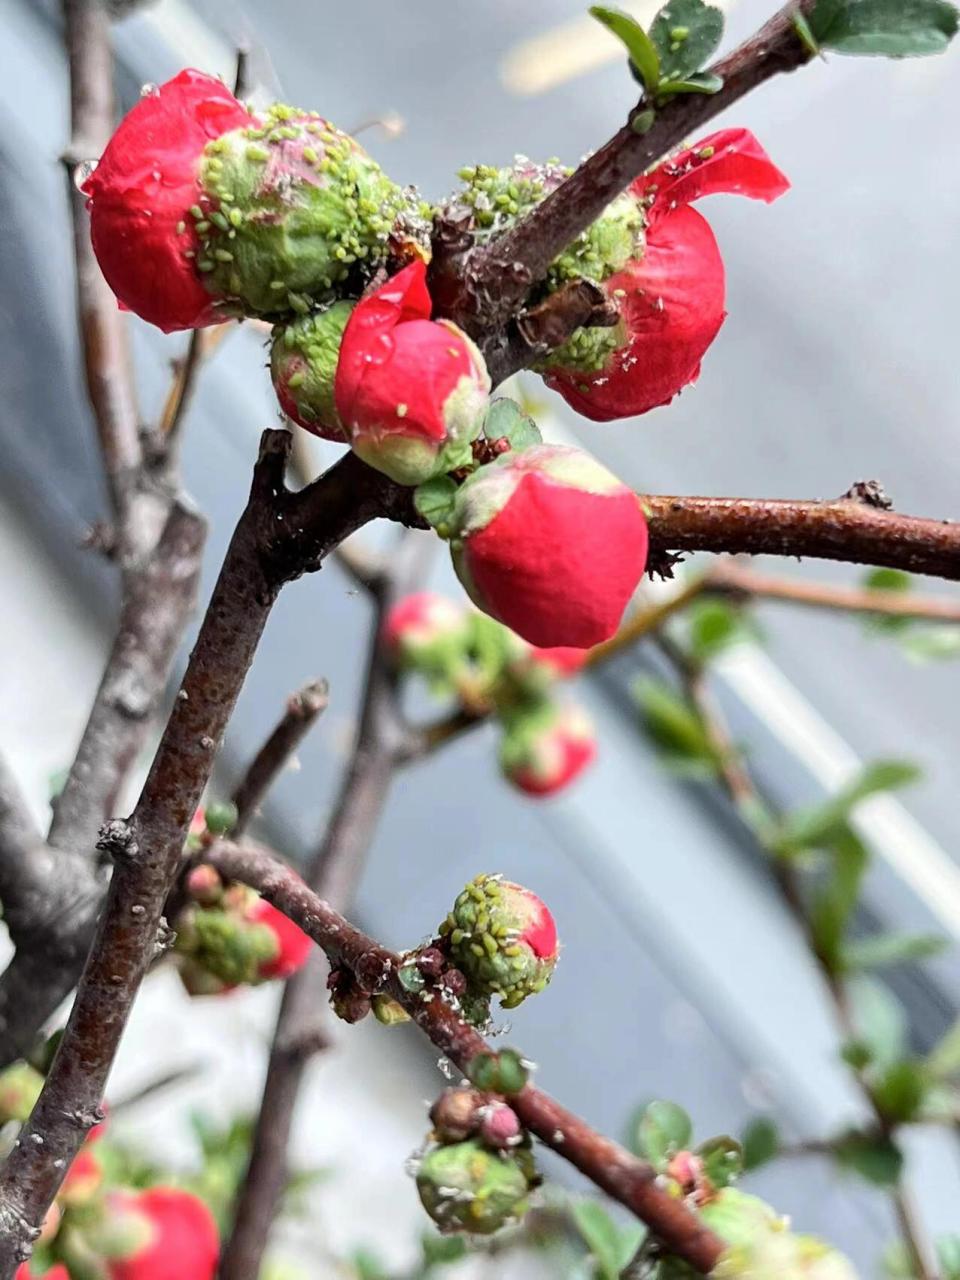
302	711
186	369
333	872
279	536
739	784
624	1177
842	529
482	289
103	333
731	576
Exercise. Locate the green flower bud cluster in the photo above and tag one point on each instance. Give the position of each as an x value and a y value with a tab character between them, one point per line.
489	670
478	1175
499	197
292	210
218	947
503	938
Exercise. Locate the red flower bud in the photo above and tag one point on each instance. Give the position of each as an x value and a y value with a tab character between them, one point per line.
410	390
545	749
141	193
550	543
671	299
172	1236
57	1272
425	631
204	885
499	1126
293	945
503	937
201	211
83	1179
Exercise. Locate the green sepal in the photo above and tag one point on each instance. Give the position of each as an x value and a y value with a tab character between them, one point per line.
434	501
506	420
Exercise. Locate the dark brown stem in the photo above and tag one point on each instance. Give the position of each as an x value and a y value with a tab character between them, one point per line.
842	529
279	536
485	288
302	711
579	304
333	872
627	1179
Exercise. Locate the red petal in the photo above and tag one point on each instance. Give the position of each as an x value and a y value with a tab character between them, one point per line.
730	161
673	307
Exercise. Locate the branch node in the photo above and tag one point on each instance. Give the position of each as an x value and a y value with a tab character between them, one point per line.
118	842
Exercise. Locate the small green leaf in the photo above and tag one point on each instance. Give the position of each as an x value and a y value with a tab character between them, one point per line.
641	49
760	1143
715	627
891	948
944	1060
698	82
887	580
879	1019
899	1092
875	1158
834	903
812	827
673	723
434	501
884	28
686	33
601	1236
506	420
722	1160
664	1129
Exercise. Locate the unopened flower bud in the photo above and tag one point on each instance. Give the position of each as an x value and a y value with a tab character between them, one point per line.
455	1114
466	1187
410	390
499	1126
204	885
431	962
503	937
550	543
546	747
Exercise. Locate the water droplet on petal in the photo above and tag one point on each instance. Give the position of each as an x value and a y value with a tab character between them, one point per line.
150	91
83	171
